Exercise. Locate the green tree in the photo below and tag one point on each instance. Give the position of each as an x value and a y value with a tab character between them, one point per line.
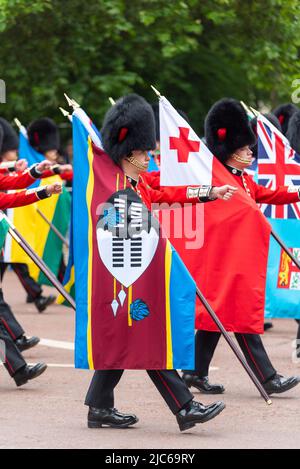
193	51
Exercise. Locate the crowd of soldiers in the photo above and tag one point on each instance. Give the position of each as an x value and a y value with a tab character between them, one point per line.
235	147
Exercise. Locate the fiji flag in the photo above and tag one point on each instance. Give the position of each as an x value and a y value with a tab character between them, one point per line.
130	313
278	164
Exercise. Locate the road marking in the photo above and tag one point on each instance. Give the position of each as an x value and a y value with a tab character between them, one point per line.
56	365
70	346
53	365
57	344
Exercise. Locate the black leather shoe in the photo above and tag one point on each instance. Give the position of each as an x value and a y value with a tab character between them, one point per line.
268	325
24	343
43	301
98	418
29	372
280	384
202	384
197	413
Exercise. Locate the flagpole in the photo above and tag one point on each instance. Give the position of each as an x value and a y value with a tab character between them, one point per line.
14	233
286	249
233	347
53	228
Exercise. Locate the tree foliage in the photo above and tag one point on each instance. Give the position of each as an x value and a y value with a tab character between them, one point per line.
193	51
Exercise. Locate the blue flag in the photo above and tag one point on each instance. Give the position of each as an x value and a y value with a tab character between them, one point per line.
28	153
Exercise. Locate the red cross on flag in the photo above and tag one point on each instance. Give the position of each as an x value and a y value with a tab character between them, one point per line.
184	158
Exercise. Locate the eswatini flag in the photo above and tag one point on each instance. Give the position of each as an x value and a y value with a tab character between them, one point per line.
135	300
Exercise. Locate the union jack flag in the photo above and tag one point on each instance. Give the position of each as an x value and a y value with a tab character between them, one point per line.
278	165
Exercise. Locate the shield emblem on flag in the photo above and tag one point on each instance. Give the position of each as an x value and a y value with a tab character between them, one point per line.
127	236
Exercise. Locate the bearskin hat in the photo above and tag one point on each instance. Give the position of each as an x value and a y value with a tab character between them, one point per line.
283	113
128	125
273	119
293	131
227	128
155	107
10	139
43	135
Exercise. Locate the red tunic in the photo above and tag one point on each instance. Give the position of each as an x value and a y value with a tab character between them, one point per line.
16	180
280	196
65	176
18	199
167	195
209	265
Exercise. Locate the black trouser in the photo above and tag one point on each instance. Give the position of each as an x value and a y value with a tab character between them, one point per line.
8	319
298	335
12	359
168	383
32	288
62	270
251	345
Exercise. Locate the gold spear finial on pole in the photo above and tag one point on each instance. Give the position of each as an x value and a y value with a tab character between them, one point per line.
71	102
18	123
111	100
75	104
64	112
247	109
156	91
255	112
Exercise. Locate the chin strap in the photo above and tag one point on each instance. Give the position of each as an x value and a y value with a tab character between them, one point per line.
136	163
240	159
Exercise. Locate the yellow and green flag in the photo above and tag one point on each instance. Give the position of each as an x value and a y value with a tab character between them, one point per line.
34	228
4	227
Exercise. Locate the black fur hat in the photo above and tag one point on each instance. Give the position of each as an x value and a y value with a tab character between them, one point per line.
10	139
273	119
155	107
227	128
43	135
283	113
293	132
128	125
